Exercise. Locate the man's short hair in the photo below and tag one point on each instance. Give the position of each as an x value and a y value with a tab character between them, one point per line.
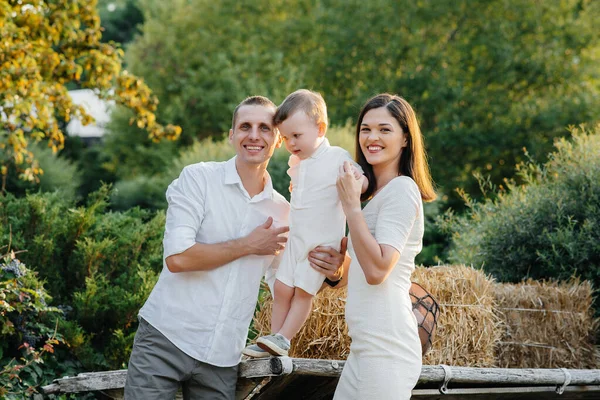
252	101
310	102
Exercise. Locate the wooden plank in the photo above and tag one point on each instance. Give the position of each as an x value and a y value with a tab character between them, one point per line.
274	366
87	382
431	376
509	376
431	373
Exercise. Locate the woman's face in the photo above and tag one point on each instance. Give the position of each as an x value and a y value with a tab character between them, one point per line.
381	139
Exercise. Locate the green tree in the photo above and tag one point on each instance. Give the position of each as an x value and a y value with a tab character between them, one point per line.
487	77
120	20
204	57
45	46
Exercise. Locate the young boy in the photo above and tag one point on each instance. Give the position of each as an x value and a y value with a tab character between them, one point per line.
316	216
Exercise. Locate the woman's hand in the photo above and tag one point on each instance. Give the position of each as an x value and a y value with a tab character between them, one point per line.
329	261
349	189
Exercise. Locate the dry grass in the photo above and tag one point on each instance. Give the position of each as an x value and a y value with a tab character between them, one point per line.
468	328
546	325
482	323
324	335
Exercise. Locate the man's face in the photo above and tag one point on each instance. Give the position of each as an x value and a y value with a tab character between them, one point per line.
254	137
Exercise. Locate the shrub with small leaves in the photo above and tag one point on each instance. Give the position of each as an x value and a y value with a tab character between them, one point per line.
28	331
545	228
99	266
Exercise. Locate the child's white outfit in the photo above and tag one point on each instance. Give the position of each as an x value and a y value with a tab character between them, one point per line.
316	215
385	354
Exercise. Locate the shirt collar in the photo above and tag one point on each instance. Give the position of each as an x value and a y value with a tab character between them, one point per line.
321	149
232	177
295	160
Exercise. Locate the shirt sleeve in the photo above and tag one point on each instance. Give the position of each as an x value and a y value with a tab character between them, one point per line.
398	213
347	157
185	212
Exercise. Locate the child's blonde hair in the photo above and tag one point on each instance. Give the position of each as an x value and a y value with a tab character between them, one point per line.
310	102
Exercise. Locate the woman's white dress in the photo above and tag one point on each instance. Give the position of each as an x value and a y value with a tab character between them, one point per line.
385	354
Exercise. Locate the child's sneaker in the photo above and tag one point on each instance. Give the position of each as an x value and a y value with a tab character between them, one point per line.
276	344
255	352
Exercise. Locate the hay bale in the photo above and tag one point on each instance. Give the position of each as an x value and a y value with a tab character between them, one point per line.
467	329
482	323
546	325
324	335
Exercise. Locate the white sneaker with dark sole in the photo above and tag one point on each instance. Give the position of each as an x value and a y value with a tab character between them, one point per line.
255	352
276	344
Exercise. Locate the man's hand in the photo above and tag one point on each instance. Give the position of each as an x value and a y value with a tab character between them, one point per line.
329	261
265	240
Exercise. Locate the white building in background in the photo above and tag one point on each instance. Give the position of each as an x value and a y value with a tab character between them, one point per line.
99	109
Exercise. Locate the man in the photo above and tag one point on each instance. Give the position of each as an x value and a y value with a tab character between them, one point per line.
225	228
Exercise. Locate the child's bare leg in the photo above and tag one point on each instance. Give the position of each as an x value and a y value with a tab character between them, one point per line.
298	313
282	299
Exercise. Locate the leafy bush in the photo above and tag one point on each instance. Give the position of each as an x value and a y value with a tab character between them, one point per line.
59	174
101	265
28	332
127	151
545	228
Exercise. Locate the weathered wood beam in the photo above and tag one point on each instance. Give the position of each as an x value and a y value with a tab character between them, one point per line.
430	374
509	376
89	381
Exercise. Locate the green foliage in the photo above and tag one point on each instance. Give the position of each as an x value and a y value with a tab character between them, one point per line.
59	174
487	78
120	20
101	264
149	190
90	162
435	240
126	152
545	228
28	331
46	46
205	57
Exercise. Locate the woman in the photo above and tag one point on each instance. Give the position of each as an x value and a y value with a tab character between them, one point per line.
385	355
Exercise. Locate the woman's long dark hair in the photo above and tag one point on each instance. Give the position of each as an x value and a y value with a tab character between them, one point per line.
413	160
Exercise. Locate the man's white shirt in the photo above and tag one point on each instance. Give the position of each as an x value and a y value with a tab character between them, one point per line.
207	314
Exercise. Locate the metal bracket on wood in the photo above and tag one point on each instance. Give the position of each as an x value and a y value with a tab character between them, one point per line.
447	377
287	365
560	389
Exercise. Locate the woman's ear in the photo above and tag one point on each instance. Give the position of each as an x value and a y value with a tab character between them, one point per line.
404	140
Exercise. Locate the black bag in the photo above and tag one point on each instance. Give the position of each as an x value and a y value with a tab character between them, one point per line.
427	310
